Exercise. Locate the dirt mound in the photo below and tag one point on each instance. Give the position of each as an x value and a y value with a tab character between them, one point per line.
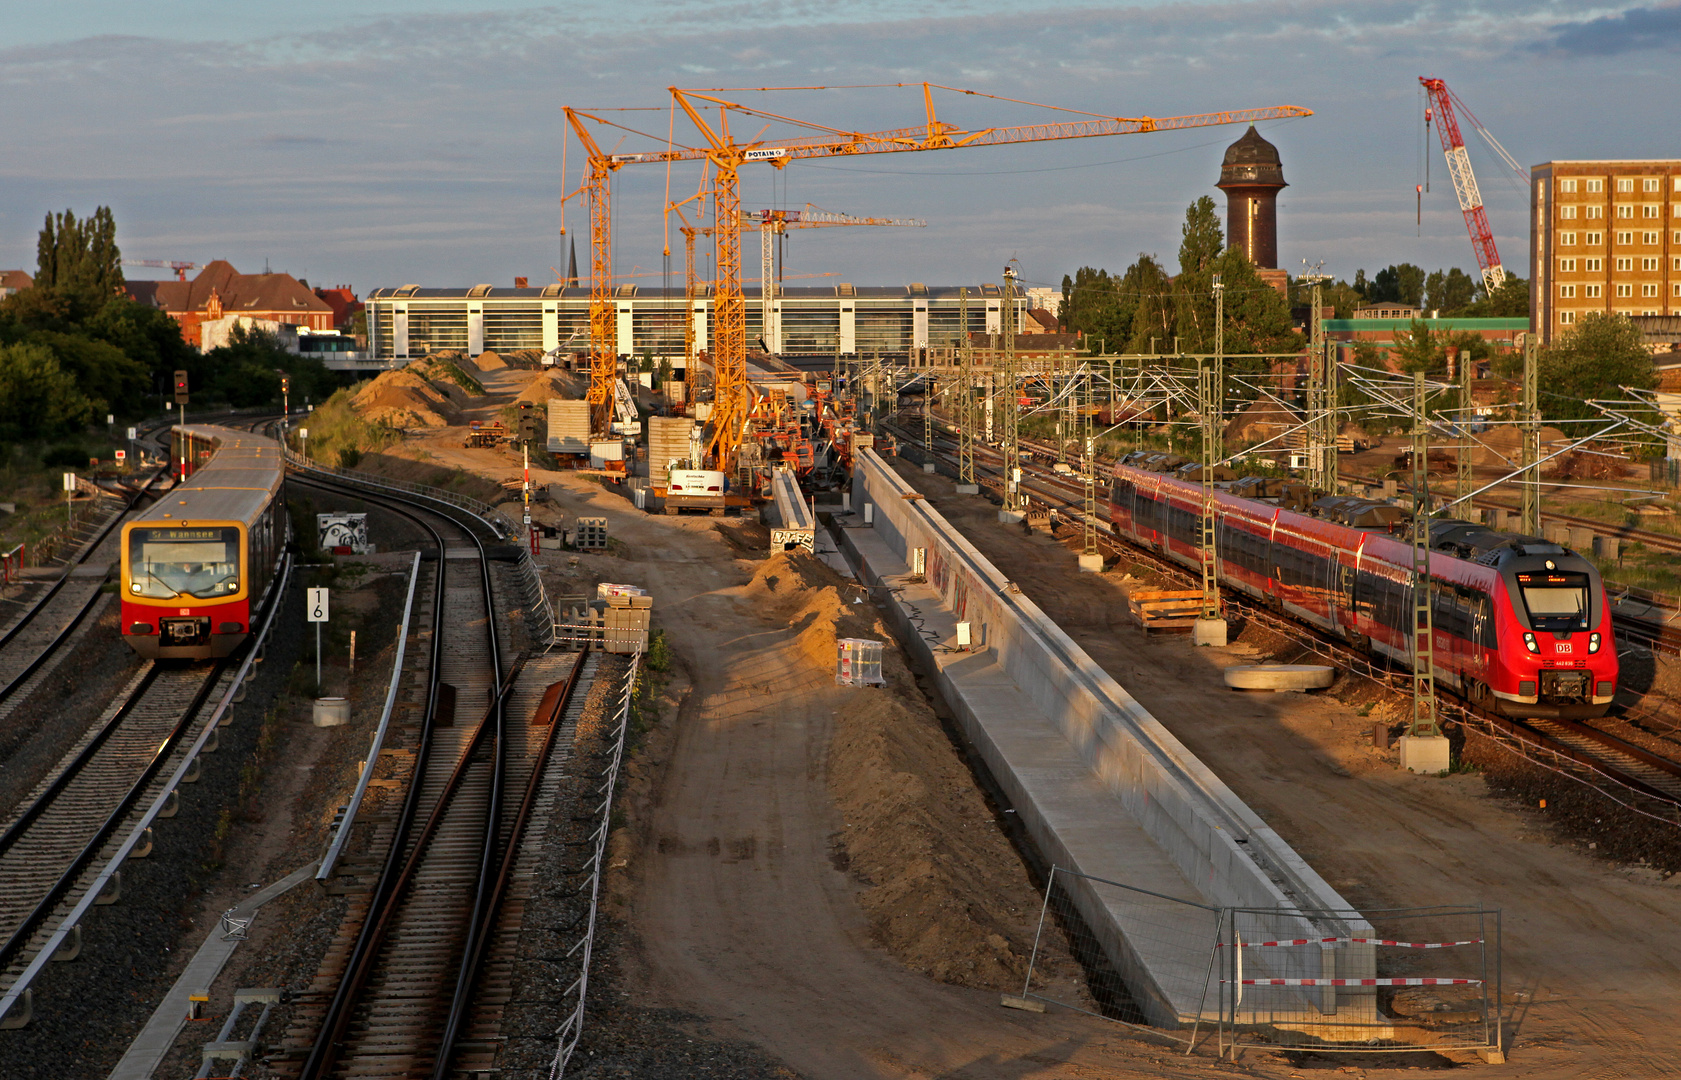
1259	422
1503	445
944	891
564	385
405	399
489	361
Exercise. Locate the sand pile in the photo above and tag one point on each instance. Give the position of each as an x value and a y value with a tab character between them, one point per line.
565	385
1502	446
405	399
489	361
1259	422
944	890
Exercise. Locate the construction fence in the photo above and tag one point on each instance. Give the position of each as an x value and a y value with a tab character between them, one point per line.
1221	978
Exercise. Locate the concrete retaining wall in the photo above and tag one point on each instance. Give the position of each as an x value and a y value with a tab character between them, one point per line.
1218	845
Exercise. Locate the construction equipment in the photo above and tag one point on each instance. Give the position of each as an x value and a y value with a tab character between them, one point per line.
480	434
727	155
1464	180
180	268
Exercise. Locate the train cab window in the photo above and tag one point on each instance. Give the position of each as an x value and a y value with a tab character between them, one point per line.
166	563
1556	600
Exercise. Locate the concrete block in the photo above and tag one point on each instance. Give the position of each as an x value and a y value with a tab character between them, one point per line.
332	711
1209	632
1091	564
927	466
1492	1056
70	947
113	890
1011	517
1280	677
968	489
1425	754
171	805
1581	539
1607	547
1556	534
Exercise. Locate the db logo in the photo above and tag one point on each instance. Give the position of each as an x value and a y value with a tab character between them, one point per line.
1564	647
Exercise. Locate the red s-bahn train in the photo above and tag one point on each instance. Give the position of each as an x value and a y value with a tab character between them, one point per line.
198	563
1522	626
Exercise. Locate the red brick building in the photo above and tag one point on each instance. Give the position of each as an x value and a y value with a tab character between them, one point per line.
342	299
220	290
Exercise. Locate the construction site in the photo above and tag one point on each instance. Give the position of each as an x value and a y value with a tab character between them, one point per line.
962	697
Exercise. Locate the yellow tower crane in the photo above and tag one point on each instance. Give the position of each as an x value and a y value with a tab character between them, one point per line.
727	155
768	224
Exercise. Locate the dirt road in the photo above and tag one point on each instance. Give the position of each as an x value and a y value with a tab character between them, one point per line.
742	914
1590	947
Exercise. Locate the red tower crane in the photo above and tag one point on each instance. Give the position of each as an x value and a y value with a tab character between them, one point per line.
1464	180
180	268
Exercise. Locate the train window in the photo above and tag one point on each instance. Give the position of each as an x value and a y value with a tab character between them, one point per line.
166	563
1555	600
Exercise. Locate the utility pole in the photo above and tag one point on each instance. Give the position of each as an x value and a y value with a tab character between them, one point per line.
1012	437
928	419
1530	485
1423	748
966	403
1320	472
1210	629
1090	560
1463	463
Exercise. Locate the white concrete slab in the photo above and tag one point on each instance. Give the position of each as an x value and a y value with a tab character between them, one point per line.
147	1050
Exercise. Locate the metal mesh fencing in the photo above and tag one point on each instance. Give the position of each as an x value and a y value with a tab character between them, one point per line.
1392	980
1219	978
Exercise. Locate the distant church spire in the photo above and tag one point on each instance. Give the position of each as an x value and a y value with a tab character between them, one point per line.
572	266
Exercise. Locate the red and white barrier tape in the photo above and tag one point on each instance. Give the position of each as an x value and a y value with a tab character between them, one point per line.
1358	982
1352	941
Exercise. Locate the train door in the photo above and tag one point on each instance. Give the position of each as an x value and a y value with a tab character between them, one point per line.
1342	607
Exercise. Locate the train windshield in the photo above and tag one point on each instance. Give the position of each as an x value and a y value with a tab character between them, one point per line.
1555	601
166	563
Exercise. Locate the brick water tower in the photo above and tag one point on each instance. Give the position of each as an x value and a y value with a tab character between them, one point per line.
1251	177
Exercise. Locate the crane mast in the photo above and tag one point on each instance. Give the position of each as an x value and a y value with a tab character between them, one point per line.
1465	183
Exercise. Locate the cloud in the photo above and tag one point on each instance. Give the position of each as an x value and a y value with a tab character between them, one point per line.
431	143
1627	31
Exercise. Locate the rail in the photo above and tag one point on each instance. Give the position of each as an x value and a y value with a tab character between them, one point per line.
19	990
572	1028
533	596
1528	739
336	847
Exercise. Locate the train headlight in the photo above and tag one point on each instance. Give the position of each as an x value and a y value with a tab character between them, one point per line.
135	587
1593	642
1529	642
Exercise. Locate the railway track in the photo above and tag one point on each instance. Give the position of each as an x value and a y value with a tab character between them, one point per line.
417	977
1608	758
48	624
63	825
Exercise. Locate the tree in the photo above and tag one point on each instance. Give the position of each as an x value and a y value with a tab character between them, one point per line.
79	256
1398	284
37	399
1203	238
1094	306
246	371
1595	358
1449	292
1509	301
1153	318
1417	349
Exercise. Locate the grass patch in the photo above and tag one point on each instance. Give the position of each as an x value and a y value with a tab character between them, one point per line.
338	436
435	369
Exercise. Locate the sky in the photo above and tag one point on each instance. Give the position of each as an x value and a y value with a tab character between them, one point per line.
377	144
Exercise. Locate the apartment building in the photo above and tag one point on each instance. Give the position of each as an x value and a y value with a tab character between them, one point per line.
1604	236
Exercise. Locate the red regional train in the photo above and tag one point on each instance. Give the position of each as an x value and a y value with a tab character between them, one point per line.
198	563
1522	625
